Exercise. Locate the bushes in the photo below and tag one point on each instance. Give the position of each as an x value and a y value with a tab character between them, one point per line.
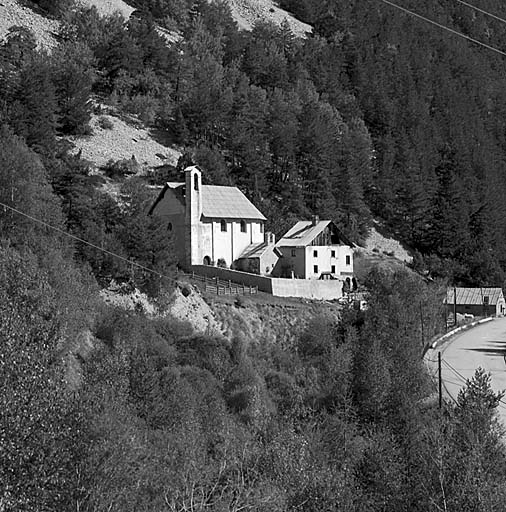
121	168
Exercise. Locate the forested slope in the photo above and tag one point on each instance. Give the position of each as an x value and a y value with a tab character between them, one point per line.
374	115
377	114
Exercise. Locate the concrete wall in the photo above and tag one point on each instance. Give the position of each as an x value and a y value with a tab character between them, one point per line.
307	288
304	288
172	212
302	260
268	261
328	258
293	260
477	309
227	245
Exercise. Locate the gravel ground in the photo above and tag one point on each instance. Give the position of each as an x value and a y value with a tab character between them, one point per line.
121	142
106	7
384	245
247	12
11	13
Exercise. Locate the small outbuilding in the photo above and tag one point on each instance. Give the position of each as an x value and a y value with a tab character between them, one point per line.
476	301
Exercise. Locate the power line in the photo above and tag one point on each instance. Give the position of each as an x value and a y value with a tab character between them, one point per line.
448	29
86	242
481	10
502	403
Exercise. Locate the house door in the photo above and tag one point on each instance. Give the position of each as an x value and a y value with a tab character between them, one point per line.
207	260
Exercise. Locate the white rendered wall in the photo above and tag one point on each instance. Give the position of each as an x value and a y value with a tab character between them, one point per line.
229	244
325	261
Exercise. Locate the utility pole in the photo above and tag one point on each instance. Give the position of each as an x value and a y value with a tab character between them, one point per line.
455	306
440	380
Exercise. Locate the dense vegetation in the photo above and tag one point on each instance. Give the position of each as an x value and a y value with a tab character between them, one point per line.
374	114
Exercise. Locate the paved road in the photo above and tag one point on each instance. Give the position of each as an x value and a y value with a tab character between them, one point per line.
483	345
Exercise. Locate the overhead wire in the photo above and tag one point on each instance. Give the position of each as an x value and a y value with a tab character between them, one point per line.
444	27
481	10
502	403
86	242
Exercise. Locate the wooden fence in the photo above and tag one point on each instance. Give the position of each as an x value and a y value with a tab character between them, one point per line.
221	287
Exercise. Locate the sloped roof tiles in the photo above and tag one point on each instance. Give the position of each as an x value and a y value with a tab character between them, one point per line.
304	232
227	203
474	296
221	202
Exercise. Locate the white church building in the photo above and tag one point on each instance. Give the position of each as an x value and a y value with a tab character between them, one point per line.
211	225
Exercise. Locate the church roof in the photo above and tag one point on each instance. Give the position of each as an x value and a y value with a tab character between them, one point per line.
218	202
304	232
227	203
474	296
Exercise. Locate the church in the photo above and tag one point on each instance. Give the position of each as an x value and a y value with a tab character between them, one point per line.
211	225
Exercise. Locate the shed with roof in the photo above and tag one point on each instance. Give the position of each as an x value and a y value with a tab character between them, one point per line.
476	301
210	225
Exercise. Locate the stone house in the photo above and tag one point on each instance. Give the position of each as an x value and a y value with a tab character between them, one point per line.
476	301
212	225
315	249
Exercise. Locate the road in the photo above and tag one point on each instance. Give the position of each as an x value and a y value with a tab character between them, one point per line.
483	345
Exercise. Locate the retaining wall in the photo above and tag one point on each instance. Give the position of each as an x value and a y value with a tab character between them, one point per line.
308	288
304	288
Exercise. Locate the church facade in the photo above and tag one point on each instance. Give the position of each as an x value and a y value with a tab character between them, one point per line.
210	225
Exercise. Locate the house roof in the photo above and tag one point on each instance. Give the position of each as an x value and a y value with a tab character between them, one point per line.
304	232
474	296
218	202
257	250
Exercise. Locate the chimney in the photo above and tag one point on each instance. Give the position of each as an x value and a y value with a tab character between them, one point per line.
269	238
314	219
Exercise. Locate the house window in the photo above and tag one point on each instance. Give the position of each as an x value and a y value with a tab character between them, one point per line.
261	228
223	225
169	227
243	226
486	300
293	253
196	181
333	269
315	254
332	254
315	269
348	260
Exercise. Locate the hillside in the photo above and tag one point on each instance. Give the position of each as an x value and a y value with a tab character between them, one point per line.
247	12
113	138
13	13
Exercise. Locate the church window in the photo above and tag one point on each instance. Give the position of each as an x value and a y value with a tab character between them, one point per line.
223	225
315	269
261	228
196	181
243	226
169	227
348	260
315	254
